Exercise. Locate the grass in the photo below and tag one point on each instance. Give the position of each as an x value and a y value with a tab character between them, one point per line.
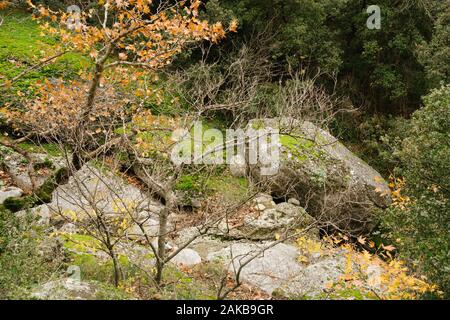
22	45
49	148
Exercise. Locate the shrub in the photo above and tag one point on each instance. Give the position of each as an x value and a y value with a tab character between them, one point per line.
418	221
21	263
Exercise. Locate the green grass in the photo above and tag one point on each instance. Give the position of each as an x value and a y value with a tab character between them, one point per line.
49	148
22	45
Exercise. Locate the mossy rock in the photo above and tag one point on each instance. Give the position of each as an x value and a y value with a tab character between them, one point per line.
324	175
18	204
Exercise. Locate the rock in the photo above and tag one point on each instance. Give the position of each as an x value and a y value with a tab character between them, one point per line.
51	248
9	192
187	257
294	201
69	228
238	166
277	270
66	289
263	202
42	213
260	207
111	195
266	224
150	227
268	271
196	203
17	167
203	245
263	198
313	279
322	173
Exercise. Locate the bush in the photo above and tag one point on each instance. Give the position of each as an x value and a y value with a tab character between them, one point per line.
376	139
418	221
21	263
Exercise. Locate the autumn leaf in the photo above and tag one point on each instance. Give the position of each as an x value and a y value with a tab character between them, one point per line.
388	248
361	240
233	26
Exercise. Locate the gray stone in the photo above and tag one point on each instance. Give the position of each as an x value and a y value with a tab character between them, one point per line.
314	279
9	192
260	207
17	167
268	270
69	228
283	217
277	270
66	289
238	166
320	171
187	257
150	227
111	195
42	212
294	201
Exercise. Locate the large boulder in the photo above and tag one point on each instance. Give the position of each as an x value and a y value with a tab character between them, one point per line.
266	220
278	269
336	187
94	190
308	270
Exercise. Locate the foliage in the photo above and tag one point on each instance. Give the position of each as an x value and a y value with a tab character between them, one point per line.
380	69
22	45
22	264
418	221
365	275
374	138
434	55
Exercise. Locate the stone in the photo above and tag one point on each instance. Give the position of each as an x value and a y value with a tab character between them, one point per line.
276	269
17	167
322	173
150	227
294	201
42	213
69	228
9	192
260	207
187	257
66	289
110	194
238	166
313	279
268	223
270	268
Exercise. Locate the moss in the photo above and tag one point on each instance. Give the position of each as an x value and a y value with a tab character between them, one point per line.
258	124
21	45
17	204
45	164
231	188
79	242
50	148
110	292
350	293
44	193
188	183
301	148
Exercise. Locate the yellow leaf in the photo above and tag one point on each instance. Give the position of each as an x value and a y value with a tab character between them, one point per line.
361	240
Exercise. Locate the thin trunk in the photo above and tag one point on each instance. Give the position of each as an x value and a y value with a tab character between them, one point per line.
117	271
162	236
